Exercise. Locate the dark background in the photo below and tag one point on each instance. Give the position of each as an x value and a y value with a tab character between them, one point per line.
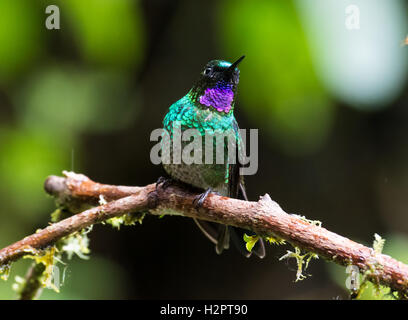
330	104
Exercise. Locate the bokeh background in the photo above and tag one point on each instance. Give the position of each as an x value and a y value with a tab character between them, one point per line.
330	104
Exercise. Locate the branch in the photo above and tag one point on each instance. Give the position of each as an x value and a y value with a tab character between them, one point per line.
265	217
32	287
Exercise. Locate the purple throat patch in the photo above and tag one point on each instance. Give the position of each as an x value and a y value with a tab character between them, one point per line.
218	98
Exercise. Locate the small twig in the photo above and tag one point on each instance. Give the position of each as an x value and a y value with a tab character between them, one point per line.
32	285
264	217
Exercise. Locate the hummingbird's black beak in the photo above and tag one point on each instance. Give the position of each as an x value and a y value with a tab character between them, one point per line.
234	65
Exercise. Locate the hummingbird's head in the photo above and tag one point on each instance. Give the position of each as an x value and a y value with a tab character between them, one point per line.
217	85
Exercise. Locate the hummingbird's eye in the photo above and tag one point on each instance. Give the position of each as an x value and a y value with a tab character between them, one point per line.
207	71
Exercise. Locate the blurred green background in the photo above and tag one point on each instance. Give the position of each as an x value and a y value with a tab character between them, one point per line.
330	104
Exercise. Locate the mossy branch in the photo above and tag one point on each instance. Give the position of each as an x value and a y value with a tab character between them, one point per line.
265	217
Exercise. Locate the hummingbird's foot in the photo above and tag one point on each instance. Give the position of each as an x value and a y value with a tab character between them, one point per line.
163	182
199	200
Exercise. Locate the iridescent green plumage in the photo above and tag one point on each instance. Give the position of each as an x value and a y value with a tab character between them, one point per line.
185	114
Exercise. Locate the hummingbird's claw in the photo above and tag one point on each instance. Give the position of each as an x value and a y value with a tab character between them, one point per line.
163	182
199	200
160	181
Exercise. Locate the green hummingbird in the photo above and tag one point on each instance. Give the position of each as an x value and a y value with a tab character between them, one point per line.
209	109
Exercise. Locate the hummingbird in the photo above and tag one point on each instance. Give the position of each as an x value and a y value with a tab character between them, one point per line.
209	108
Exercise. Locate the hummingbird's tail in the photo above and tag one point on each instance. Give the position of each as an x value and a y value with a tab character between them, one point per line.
220	234
216	233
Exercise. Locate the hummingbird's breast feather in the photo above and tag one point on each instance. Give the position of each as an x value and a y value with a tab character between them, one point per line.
183	115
